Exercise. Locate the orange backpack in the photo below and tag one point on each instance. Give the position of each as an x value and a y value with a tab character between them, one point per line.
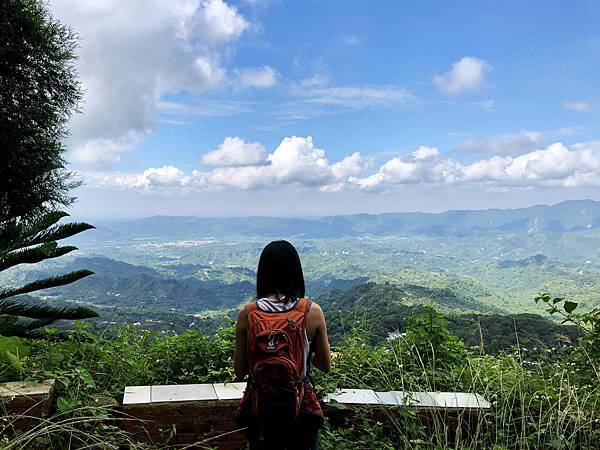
277	354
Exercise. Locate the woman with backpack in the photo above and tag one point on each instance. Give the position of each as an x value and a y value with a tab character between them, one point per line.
278	337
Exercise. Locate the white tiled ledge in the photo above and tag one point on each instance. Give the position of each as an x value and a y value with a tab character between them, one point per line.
136	395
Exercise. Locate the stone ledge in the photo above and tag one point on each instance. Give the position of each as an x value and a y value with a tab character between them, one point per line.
25	403
204	412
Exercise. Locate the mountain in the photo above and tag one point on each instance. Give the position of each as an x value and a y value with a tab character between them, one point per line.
574	215
383	309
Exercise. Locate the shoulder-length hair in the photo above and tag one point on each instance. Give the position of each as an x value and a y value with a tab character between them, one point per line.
279	271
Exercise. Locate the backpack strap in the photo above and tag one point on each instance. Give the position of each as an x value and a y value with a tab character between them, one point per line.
303	305
249	307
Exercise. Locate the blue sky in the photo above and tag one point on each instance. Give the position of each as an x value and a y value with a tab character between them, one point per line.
423	105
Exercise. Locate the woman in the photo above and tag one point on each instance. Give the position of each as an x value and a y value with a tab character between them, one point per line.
278	337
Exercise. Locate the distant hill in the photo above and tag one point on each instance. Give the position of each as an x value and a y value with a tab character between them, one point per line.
572	215
385	308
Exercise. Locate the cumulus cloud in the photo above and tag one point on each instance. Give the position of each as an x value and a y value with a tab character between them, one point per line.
578	106
554	166
299	165
520	142
234	151
296	163
466	75
259	77
132	53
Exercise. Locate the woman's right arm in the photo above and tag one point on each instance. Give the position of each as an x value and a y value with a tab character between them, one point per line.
240	363
320	343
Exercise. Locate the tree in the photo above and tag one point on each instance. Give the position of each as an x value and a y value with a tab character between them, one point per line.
32	242
39	91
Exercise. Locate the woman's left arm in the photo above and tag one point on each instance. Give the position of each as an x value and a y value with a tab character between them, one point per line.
239	358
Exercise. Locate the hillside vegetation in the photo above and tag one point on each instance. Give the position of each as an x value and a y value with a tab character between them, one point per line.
544	398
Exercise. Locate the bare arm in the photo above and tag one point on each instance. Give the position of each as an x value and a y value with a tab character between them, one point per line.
320	343
239	358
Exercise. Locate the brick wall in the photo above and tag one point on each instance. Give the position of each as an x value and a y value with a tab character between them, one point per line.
207	422
24	404
203	413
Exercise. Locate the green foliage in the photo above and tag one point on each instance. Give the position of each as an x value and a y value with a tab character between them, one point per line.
194	357
543	400
13	354
39	91
28	242
588	322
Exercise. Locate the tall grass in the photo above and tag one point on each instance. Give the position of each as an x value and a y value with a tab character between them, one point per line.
549	400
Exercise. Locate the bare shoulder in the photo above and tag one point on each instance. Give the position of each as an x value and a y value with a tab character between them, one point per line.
316	307
315	312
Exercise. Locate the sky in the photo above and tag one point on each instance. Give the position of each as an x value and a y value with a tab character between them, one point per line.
318	107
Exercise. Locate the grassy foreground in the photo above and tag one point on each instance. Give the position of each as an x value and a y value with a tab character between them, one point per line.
541	398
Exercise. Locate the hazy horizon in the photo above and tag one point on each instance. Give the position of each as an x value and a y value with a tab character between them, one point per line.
318	216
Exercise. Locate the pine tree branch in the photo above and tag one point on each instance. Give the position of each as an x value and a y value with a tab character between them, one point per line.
55	233
45	311
46	221
46	283
34	255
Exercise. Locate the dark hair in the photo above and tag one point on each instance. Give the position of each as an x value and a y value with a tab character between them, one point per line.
279	271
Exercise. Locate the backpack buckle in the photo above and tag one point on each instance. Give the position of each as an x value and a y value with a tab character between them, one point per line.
292	324
273	340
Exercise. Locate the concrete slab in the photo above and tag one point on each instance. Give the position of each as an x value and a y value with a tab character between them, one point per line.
459	400
229	391
135	395
26	388
182	393
454	400
353	397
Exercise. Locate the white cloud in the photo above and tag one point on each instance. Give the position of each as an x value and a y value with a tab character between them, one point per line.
259	77
424	152
235	152
554	166
297	164
153	177
358	97
523	141
132	53
103	153
204	108
317	90
578	106
352	165
468	74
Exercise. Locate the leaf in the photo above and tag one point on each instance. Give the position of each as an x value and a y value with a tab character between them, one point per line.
556	300
65	404
14	345
570	306
15	362
86	377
